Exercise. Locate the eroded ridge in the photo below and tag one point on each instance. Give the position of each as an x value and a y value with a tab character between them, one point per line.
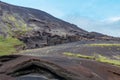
23	68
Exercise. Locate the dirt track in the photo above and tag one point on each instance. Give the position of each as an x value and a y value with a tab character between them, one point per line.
81	47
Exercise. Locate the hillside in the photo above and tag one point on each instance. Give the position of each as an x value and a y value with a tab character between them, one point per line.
37	28
80	55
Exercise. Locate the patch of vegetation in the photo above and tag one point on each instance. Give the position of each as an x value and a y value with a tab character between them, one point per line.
11	18
78	55
96	57
105	45
16	25
107	60
7	45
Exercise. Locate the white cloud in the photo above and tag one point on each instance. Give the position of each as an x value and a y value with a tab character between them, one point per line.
115	19
109	26
112	19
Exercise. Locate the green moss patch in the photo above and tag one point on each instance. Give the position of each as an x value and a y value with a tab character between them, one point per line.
107	60
7	45
105	45
98	58
16	26
78	55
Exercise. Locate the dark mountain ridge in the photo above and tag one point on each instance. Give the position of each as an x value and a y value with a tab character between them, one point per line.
37	28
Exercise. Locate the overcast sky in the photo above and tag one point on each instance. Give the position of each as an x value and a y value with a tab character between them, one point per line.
93	15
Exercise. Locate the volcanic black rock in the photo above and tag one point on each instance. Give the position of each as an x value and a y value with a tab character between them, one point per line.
55	68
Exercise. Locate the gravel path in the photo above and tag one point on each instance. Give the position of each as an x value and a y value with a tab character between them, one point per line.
75	47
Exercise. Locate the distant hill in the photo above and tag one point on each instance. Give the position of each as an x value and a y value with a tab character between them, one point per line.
37	28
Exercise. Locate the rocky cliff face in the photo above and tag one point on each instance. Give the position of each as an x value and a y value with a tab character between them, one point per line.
37	28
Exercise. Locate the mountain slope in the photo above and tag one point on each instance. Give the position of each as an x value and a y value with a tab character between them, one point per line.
37	28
